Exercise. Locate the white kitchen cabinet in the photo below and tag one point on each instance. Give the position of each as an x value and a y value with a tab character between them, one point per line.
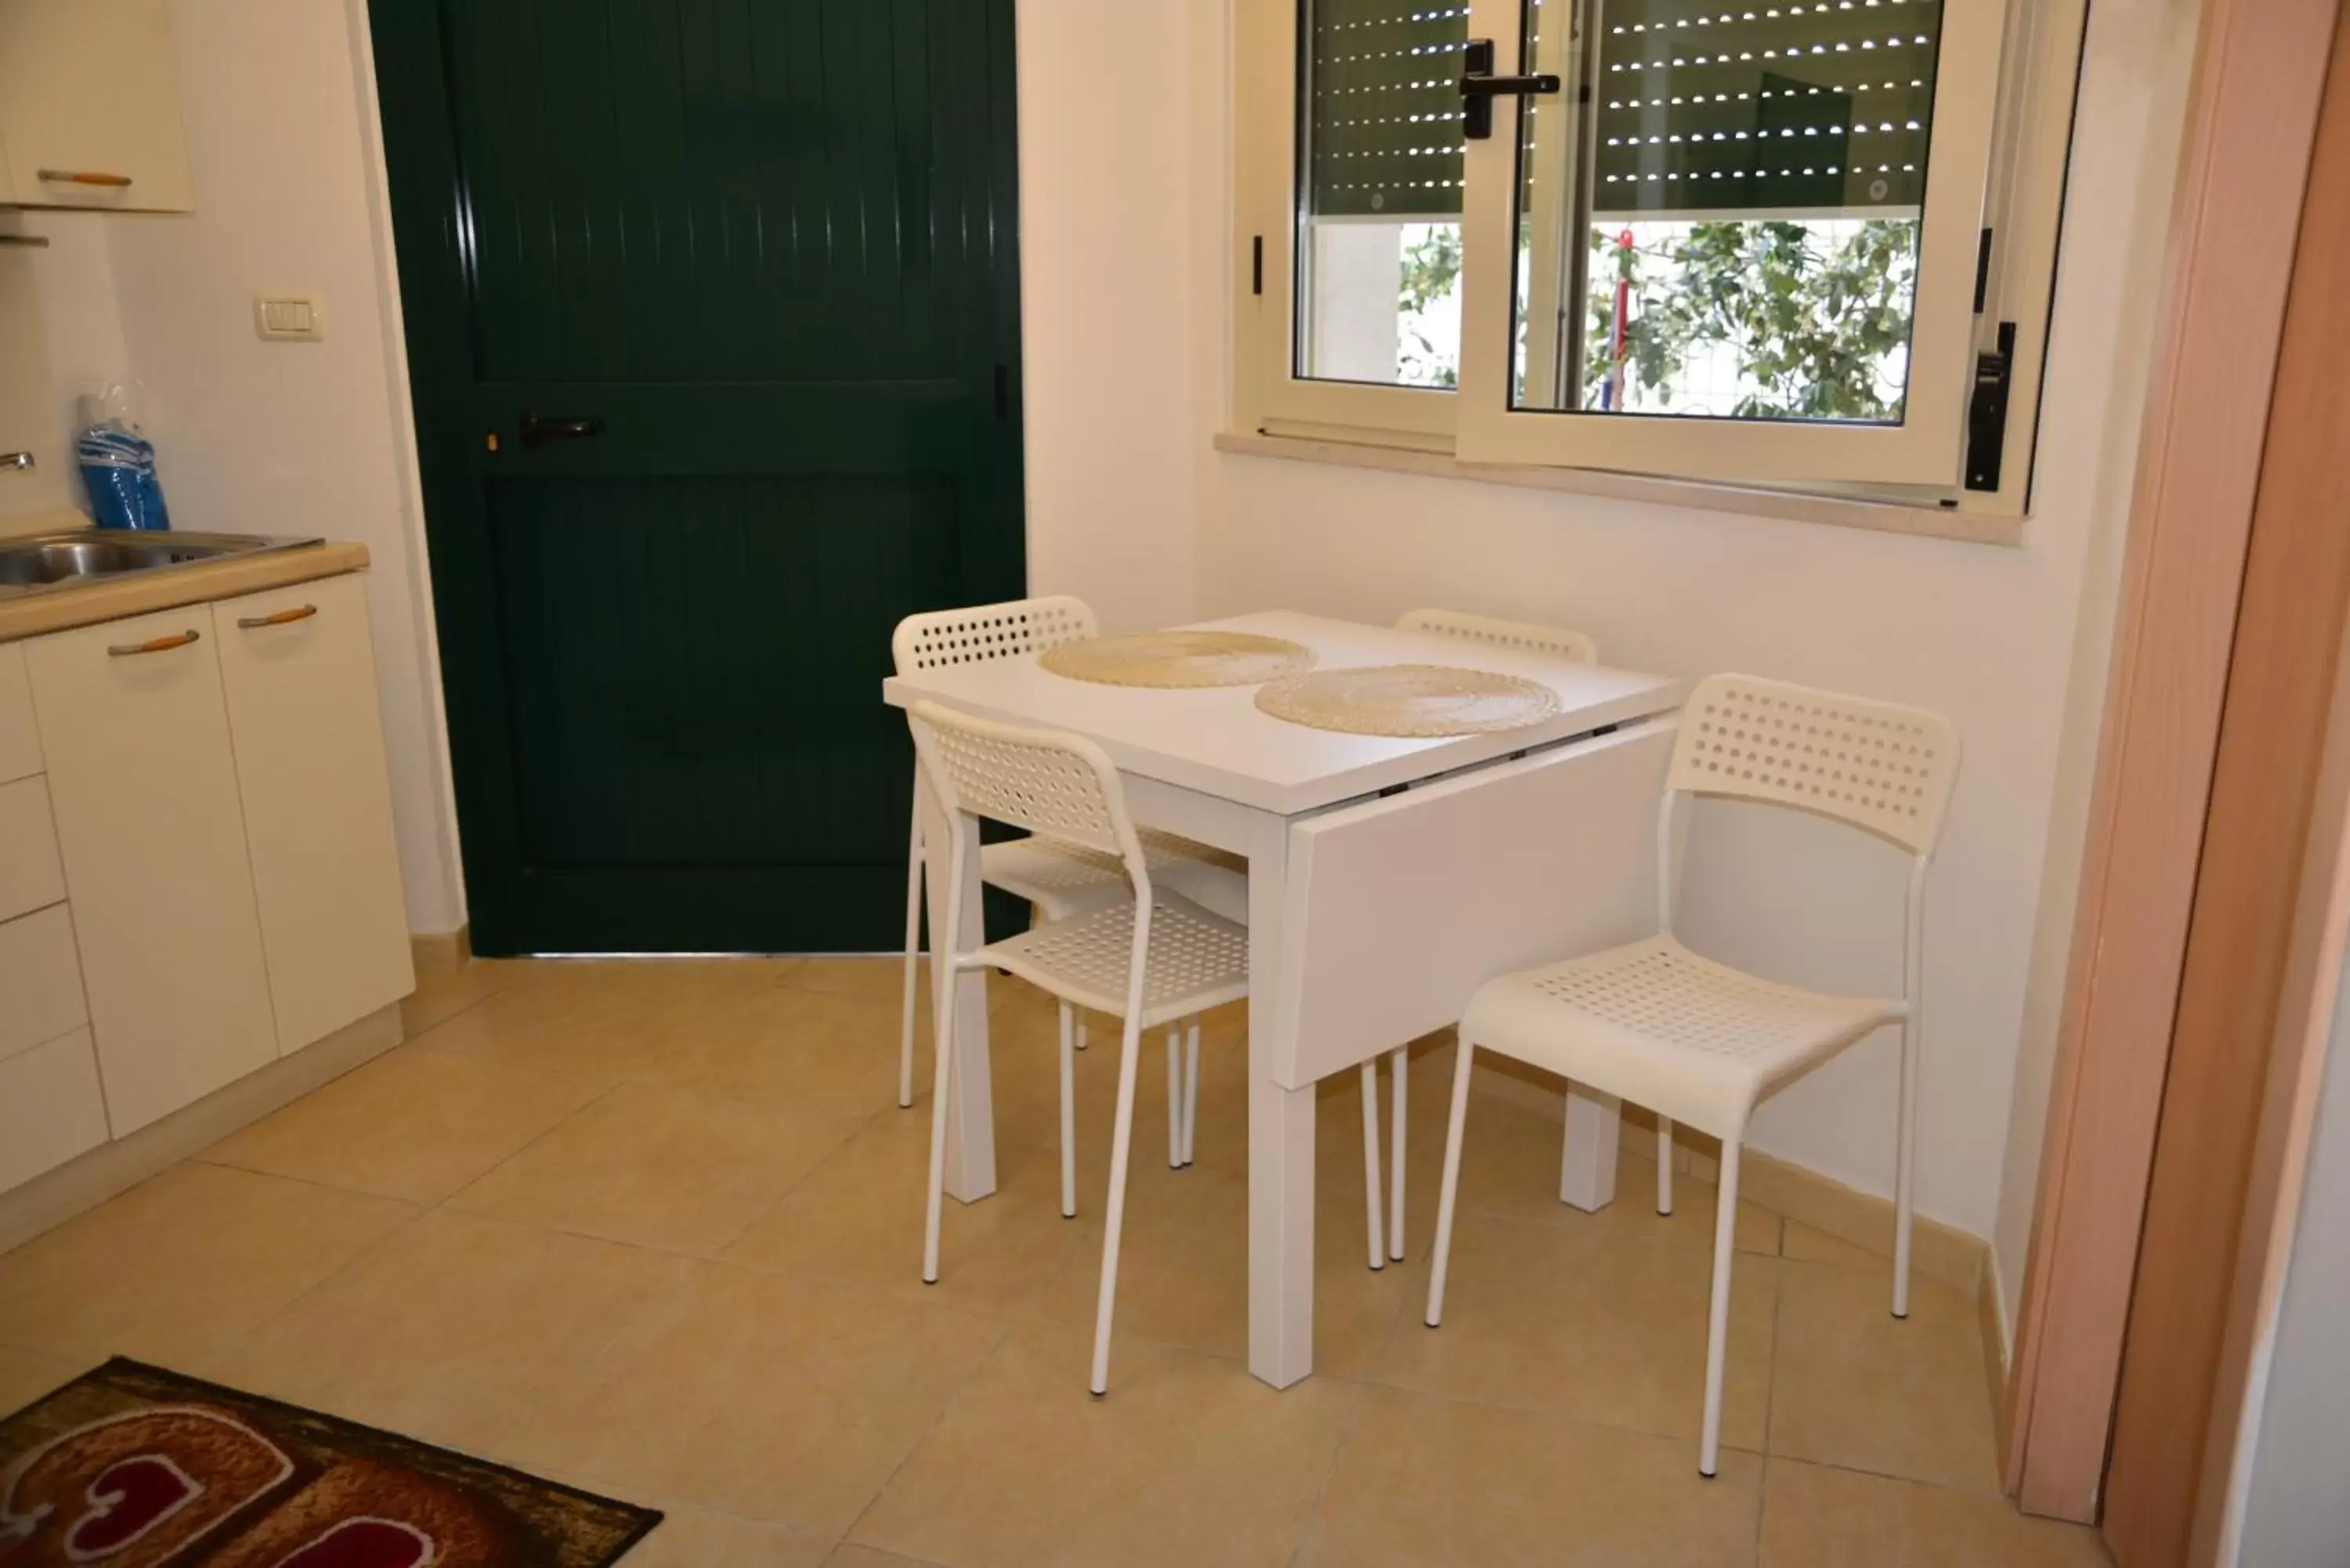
90	107
139	770
50	1107
30	875
20	737
299	673
41	980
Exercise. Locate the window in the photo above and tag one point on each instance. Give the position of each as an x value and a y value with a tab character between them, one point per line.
1798	242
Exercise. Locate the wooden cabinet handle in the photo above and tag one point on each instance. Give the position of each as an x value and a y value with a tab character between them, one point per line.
153	644
81	177
277	618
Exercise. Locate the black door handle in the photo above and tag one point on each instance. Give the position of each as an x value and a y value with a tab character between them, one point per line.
1480	87
539	432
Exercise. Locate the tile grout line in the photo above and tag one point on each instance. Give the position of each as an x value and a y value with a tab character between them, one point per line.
946	1409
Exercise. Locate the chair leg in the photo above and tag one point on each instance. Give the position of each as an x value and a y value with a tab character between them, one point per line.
1457	1123
1191	1093
1121	1147
1904	1173
1664	1165
1068	1118
1399	1071
913	952
938	1085
1083	1040
1717	1324
1175	1099
1370	1078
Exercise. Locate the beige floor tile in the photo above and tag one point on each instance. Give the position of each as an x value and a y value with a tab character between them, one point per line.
1813	1517
760	1396
1189	1460
411	1124
1509	1164
659	1168
1430	1482
692	1538
606	1022
1814	1246
454	1326
809	1051
179	1265
851	1555
1547	1317
1183	1271
1853	1386
440	997
856	1219
28	1375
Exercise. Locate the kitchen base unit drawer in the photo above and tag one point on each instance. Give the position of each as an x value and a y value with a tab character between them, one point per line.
20	741
31	876
40	979
50	1107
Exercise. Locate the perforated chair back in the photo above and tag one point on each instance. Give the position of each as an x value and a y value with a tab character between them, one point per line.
1042	780
980	633
1880	766
1521	634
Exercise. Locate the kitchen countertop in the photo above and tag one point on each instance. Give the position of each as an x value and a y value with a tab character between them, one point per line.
112	599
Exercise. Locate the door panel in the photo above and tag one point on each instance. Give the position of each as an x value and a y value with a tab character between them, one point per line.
763	248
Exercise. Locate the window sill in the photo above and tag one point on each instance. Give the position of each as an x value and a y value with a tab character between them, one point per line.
1887	517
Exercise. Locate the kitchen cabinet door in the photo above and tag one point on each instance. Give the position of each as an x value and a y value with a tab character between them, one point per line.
144	793
302	718
90	107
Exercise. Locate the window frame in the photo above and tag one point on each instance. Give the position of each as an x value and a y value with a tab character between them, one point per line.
2029	142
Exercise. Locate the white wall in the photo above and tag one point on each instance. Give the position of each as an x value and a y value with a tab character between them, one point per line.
275	438
1985	634
1105	253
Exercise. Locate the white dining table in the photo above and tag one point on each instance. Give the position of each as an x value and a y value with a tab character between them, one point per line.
1386	877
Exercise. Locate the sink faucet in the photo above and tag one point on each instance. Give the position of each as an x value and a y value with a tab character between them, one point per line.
16	459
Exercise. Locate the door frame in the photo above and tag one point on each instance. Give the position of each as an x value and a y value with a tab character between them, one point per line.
2252	120
430	239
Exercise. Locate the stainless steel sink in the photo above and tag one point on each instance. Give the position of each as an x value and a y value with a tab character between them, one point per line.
47	563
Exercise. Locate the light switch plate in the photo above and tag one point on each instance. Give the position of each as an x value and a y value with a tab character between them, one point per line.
289	318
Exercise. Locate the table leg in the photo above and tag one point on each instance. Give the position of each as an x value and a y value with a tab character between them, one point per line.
1587	1173
971	1106
1280	1140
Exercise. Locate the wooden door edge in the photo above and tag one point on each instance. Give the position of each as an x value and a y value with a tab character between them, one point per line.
2296	1065
2252	120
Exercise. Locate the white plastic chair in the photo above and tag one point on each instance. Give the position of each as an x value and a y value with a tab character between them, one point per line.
1468	627
1156	958
1699	1041
1060	878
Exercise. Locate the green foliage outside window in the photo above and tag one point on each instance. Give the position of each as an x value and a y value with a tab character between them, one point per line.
1815	321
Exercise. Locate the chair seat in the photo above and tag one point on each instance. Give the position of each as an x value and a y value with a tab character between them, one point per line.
1197	960
1669	1029
1063	879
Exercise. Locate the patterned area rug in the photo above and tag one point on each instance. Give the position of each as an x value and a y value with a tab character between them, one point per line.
133	1467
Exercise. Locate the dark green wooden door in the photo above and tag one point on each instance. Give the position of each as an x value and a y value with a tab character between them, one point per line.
749	265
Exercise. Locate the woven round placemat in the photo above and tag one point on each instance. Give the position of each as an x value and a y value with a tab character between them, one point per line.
1177	658
1408	699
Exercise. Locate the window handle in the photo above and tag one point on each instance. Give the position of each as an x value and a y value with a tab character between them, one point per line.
1480	87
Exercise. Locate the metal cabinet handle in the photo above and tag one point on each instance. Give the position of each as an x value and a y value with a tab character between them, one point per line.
81	177
277	618
153	644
